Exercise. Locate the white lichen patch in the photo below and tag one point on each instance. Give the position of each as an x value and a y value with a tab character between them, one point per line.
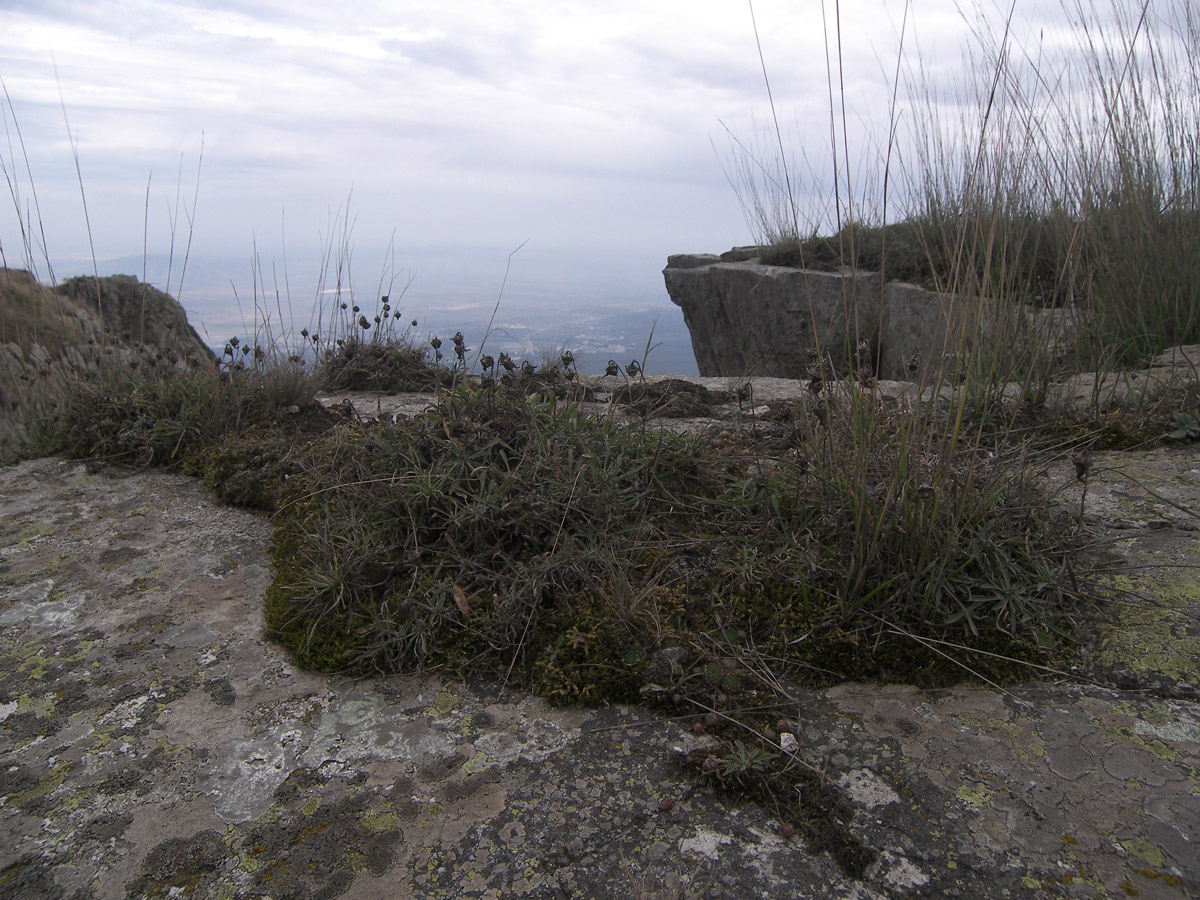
125	715
705	842
897	873
43	606
245	780
866	789
1184	725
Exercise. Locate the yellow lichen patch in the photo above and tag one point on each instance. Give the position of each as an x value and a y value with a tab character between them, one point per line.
1144	850
248	864
49	782
430	813
975	796
477	763
378	822
34	664
1161	750
442	703
1149	635
311	805
40	707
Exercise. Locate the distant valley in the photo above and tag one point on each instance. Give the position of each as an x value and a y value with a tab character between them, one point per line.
596	324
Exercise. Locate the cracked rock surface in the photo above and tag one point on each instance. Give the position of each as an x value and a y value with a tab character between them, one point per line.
152	744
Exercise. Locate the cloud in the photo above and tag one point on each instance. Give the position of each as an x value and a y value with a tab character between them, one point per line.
582	124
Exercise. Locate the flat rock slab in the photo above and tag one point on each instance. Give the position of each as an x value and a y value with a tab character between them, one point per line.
152	744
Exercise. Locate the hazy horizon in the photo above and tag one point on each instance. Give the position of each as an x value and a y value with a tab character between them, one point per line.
434	139
220	301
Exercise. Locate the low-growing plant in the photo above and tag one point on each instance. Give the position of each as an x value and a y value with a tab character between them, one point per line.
147	408
1184	427
517	537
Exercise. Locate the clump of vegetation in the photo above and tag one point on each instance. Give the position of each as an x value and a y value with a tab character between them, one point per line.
919	251
372	353
588	559
494	534
150	408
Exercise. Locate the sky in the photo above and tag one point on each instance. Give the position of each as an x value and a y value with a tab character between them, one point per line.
428	139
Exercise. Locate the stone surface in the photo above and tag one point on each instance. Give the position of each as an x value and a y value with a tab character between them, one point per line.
152	744
746	318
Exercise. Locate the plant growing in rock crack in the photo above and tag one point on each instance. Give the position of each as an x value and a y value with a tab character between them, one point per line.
1184	427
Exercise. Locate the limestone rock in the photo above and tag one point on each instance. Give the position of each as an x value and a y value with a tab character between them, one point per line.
747	318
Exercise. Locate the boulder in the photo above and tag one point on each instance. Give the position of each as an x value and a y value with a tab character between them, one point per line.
747	318
136	313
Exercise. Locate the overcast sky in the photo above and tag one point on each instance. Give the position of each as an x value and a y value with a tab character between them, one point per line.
462	128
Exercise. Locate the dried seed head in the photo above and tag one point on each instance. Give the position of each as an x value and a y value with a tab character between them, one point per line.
1083	463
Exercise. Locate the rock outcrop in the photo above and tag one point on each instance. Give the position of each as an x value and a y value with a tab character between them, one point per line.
46	333
135	314
747	318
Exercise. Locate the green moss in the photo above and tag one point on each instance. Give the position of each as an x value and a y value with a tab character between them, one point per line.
323	646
